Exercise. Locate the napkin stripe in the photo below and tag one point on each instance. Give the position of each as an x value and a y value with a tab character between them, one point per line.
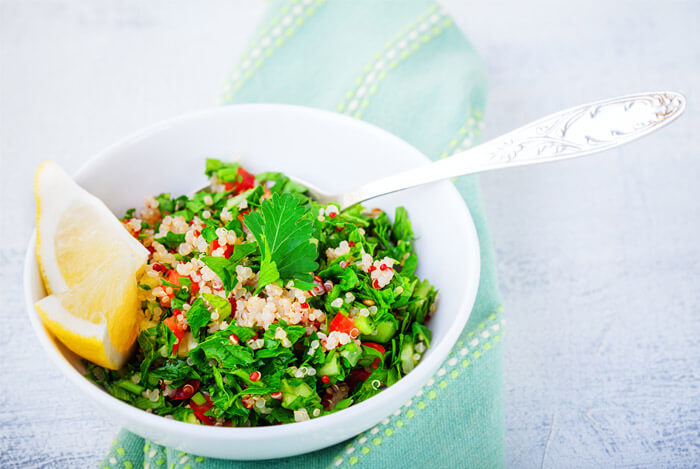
427	26
471	347
271	38
467	135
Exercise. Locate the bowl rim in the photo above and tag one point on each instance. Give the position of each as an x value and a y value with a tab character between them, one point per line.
373	404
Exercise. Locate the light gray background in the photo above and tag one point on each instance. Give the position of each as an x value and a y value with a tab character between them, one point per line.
598	258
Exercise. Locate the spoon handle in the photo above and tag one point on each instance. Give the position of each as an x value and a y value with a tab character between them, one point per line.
578	131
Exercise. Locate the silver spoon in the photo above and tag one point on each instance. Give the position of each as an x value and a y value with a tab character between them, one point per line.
574	132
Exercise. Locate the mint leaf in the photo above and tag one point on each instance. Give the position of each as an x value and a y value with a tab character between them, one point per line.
198	316
284	239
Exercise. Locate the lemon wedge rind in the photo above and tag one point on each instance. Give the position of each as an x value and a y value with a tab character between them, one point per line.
58	196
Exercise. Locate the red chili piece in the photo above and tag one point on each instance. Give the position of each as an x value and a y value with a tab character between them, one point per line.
375	284
351	244
158	267
234	305
247	401
255	376
371	269
325	379
233	338
304	305
276	395
228	249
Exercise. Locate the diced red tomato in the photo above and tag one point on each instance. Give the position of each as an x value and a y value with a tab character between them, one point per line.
377	347
173	324
174	278
342	323
244	181
199	410
187	390
228	249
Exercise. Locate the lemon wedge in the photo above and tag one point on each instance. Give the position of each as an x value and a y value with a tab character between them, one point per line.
90	264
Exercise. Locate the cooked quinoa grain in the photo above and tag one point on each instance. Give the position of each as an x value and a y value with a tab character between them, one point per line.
261	306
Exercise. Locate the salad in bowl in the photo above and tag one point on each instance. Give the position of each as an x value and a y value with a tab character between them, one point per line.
246	313
259	306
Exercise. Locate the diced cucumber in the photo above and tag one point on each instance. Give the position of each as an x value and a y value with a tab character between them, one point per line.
351	352
331	367
198	399
291	392
385	331
364	324
406	355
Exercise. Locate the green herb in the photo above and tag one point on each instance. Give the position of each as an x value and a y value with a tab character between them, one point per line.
284	236
171	240
246	361
198	316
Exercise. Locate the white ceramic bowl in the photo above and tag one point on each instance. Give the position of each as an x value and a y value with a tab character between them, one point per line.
326	149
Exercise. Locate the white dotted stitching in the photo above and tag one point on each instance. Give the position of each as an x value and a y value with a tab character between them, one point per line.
411	36
265	43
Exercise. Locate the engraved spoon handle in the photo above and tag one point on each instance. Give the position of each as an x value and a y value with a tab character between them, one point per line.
577	131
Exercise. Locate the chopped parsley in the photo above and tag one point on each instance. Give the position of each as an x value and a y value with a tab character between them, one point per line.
262	306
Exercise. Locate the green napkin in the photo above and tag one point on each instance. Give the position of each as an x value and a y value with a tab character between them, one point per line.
406	67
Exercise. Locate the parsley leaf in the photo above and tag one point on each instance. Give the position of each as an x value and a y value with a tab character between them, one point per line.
171	240
227	356
284	239
226	268
220	304
225	172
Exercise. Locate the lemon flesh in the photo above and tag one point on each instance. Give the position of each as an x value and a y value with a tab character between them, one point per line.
89	263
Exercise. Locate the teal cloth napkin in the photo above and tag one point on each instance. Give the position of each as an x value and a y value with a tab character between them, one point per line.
404	66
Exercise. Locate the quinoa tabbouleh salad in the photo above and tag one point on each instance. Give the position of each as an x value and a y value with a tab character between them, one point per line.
262	306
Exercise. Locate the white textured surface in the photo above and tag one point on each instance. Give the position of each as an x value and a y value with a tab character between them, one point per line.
599	258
